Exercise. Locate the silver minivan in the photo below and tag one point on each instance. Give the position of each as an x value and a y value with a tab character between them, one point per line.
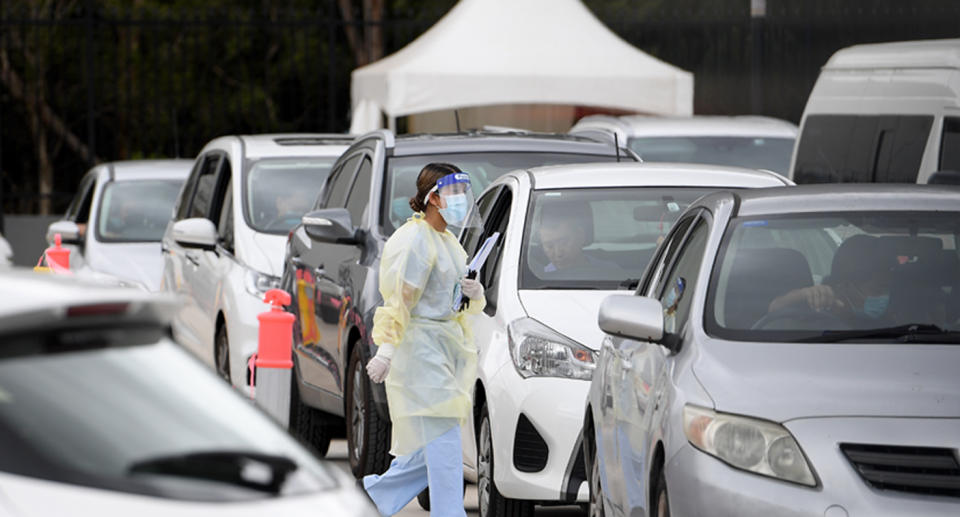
789	351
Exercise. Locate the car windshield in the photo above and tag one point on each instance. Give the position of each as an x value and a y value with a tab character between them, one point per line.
483	169
136	211
840	276
596	238
280	190
146	419
750	152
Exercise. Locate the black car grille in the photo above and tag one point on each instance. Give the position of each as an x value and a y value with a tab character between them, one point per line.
921	470
529	450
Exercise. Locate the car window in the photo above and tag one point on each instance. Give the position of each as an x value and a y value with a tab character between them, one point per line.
79	209
752	152
342	182
204	187
471	237
597	238
183	201
950	145
135	211
484	168
677	292
225	221
668	250
360	193
490	273
278	191
114	418
886	269
861	148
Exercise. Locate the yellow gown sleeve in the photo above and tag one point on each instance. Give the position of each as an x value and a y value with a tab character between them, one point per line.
408	257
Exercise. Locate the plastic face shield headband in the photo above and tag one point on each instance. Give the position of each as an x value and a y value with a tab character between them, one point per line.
459	207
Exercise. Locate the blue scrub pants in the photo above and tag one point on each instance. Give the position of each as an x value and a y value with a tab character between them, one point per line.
439	464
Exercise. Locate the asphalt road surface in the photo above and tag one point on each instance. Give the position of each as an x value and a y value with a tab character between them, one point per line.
338	454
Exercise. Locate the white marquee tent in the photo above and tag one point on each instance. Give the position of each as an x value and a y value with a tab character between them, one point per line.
497	52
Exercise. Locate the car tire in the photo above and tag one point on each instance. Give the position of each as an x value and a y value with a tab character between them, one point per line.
221	353
661	498
491	503
423	499
368	435
308	423
595	507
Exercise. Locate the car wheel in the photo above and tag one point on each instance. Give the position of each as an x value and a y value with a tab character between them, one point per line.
595	506
491	503
221	351
661	502
368	435
308	423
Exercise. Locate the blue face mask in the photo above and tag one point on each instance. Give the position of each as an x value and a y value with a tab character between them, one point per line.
875	306
456	210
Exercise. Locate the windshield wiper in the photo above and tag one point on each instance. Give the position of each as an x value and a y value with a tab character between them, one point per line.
261	472
909	333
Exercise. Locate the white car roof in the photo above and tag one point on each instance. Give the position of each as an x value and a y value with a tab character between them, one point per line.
295	144
940	53
699	125
632	174
134	170
30	300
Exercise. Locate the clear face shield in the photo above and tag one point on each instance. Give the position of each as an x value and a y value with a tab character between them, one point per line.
457	204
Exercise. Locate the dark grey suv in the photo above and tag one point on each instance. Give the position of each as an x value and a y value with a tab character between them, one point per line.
332	266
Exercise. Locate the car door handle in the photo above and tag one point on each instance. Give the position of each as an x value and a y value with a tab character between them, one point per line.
296	261
192	258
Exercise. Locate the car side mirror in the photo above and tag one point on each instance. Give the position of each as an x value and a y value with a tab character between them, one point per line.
69	232
196	232
331	225
632	317
945	177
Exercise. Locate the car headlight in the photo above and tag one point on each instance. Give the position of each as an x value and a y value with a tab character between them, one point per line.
539	351
753	445
258	283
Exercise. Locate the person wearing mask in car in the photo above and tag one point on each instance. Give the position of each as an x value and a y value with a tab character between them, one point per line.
425	350
858	285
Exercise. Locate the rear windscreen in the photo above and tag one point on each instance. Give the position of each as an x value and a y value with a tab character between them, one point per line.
861	148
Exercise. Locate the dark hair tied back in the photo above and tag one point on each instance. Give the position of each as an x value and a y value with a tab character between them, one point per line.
427	179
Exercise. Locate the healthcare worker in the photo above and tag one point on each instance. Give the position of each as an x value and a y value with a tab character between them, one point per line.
425	350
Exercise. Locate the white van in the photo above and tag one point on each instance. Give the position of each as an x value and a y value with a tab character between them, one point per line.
887	112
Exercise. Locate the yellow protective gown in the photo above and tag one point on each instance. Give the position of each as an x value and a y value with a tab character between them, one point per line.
434	365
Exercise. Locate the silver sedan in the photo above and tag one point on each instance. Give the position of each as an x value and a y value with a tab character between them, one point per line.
790	352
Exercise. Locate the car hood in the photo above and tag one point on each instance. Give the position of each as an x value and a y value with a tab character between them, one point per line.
137	262
267	252
28	497
785	381
569	312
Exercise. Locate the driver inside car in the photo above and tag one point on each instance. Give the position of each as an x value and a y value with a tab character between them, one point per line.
565	229
859	282
291	205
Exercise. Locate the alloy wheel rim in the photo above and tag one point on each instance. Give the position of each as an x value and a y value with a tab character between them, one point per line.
357	420
596	504
484	468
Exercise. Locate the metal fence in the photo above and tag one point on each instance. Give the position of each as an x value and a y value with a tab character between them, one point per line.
134	82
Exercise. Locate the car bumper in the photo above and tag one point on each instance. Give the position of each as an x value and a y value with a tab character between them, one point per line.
554	408
700	484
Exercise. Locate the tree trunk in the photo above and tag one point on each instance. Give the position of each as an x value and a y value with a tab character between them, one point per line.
365	36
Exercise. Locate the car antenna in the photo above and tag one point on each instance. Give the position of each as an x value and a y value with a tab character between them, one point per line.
456	116
616	145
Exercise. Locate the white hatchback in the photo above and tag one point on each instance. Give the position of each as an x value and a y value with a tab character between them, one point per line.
224	247
570	235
